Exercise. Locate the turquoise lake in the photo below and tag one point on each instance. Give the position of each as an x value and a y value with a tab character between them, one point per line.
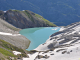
38	35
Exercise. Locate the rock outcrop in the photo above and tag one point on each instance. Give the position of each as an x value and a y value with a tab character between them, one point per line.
70	34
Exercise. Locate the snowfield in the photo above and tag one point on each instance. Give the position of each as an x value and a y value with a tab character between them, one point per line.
72	53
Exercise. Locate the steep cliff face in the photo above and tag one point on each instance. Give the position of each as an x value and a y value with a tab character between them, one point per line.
24	19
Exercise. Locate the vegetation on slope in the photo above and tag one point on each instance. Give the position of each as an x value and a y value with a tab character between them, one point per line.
39	17
6	53
7	48
46	21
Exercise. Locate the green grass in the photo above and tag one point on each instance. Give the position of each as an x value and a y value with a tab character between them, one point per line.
6	53
46	21
29	15
10	46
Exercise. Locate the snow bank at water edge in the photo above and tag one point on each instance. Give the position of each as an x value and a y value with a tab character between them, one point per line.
61	29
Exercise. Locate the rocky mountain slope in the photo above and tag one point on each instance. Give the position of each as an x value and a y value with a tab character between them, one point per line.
11	41
60	12
63	45
11	34
24	19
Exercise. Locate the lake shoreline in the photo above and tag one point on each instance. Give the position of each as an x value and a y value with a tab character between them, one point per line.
38	31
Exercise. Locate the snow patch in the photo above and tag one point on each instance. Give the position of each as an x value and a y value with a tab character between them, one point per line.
3	33
4	11
72	53
31	56
16	52
61	29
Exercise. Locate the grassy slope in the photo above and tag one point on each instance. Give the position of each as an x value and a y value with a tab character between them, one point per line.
7	48
6	53
46	21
